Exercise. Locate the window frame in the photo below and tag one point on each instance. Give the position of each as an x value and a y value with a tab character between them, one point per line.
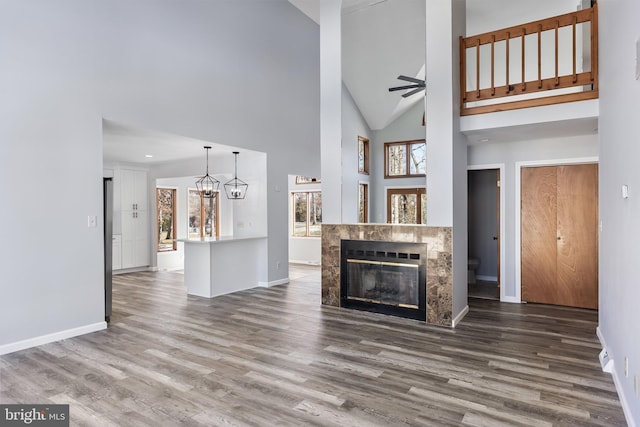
174	220
364	143
308	218
216	208
365	199
418	191
407	145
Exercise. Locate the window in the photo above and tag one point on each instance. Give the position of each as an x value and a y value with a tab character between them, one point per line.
166	214
406	206
203	215
363	155
405	159
307	213
306	180
363	202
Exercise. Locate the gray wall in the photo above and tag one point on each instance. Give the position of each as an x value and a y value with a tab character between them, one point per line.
483	221
508	153
619	128
353	126
244	74
405	128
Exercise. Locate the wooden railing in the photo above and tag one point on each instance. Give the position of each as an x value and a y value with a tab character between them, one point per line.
495	84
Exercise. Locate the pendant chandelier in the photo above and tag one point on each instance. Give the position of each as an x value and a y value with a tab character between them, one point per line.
207	185
236	188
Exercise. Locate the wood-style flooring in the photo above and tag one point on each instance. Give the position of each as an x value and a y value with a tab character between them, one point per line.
276	356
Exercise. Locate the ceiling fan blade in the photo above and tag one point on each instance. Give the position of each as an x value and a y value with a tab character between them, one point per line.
410	79
393	89
408	94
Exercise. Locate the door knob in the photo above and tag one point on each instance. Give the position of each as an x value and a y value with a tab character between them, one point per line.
495	238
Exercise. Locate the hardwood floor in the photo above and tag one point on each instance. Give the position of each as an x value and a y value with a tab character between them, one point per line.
277	357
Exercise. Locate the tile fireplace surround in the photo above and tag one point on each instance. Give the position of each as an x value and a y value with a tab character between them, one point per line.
439	270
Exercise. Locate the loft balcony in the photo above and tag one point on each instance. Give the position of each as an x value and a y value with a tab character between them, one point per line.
541	63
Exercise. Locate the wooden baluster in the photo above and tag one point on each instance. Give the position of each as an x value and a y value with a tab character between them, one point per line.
493	86
478	68
539	56
575	75
463	72
594	46
557	78
507	70
524	85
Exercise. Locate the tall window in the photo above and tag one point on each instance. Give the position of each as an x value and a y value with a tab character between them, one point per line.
363	155
307	213
405	159
406	206
166	214
363	202
203	215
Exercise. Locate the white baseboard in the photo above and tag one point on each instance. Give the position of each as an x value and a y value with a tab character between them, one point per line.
458	318
512	300
274	283
487	278
56	336
132	270
626	408
315	263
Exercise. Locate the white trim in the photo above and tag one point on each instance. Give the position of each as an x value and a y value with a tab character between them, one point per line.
274	283
56	336
518	169
305	262
626	408
503	227
456	320
487	278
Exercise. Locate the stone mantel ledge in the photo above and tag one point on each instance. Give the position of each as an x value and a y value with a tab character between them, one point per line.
439	261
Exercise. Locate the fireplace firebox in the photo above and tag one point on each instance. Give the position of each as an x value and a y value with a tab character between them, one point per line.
384	277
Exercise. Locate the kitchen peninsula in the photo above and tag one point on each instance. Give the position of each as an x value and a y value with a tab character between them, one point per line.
220	265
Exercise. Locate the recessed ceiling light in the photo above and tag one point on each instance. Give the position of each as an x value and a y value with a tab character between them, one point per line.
148	156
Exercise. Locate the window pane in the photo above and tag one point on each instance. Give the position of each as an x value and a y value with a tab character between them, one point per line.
166	226
363	208
397	159
210	216
418	158
315	214
404	209
423	207
300	214
194	214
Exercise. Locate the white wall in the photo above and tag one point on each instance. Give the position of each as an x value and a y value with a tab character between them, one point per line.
511	152
244	74
303	250
619	128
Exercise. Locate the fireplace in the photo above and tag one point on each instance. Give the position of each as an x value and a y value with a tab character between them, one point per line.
384	277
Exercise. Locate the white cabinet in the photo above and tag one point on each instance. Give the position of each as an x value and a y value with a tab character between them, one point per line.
133	218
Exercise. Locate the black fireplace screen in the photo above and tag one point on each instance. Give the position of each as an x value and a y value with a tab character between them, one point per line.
385	277
383	282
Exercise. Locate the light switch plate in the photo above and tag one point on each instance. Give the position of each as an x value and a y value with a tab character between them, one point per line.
92	221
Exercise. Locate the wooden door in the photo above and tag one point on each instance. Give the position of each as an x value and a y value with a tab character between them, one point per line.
559	255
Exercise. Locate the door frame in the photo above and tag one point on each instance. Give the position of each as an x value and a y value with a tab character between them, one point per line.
502	228
518	170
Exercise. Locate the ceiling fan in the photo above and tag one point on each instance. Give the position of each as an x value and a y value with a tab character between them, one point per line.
417	86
